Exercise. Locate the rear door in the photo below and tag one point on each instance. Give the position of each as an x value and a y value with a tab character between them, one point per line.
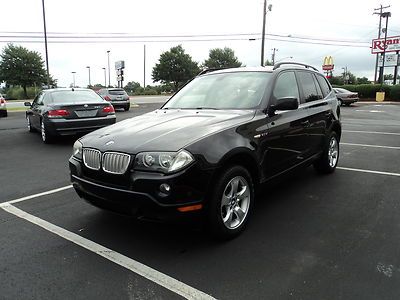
36	110
286	142
316	97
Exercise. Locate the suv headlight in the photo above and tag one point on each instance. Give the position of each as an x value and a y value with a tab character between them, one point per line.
77	150
166	162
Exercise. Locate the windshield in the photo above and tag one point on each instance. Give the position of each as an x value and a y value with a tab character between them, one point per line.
240	90
75	97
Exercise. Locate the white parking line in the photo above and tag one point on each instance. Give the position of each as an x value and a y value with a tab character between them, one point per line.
38	195
372	132
373	146
155	276
369	171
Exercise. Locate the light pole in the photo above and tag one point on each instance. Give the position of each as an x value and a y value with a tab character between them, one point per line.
144	66
73	79
345	75
109	76
263	30
105	77
90	84
45	45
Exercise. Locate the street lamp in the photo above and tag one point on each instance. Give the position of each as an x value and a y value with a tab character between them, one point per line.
73	78
109	80
88	67
105	77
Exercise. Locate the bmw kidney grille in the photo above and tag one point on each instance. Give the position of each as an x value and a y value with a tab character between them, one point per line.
110	162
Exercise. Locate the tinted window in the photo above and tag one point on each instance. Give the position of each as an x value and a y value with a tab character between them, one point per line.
75	97
324	85
222	91
306	81
286	86
319	91
117	92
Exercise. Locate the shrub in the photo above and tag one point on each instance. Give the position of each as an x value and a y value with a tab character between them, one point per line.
17	93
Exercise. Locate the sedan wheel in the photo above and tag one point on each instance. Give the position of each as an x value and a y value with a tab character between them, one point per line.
230	203
46	137
30	128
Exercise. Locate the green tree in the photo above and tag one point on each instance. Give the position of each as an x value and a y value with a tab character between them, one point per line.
175	67
19	66
363	80
132	86
222	58
268	63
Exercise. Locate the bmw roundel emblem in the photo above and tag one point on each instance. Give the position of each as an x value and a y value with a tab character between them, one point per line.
109	143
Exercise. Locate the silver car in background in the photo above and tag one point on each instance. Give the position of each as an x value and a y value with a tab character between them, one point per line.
116	96
345	97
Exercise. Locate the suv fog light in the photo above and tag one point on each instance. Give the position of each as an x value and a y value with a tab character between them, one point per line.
165	188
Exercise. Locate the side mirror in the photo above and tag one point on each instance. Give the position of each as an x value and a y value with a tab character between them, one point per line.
287	103
27	104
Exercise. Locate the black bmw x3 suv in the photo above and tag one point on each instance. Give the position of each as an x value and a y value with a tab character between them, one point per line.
211	145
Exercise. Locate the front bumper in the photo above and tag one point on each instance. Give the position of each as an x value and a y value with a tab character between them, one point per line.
75	126
139	192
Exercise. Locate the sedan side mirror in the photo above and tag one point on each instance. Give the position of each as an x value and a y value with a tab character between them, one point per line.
286	103
27	104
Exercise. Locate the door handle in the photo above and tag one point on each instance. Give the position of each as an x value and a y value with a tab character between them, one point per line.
305	123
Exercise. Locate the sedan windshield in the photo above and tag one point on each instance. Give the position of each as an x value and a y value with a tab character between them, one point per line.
75	97
239	90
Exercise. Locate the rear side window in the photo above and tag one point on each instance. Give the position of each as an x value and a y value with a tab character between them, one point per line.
307	84
326	89
286	86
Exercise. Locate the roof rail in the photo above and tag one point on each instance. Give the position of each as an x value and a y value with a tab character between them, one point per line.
208	71
276	66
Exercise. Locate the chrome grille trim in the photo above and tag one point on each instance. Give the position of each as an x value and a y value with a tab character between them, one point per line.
115	163
91	158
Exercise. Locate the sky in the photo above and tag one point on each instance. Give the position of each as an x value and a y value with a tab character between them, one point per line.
305	30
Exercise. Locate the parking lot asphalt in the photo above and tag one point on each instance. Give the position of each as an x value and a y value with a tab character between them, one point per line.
310	237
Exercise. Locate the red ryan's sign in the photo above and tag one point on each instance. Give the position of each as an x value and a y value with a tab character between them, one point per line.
392	45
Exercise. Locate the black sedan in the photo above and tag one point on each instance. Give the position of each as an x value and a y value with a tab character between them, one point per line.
345	96
58	112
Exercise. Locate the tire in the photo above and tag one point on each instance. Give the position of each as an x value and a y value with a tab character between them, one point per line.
30	128
227	212
47	138
328	161
347	104
127	107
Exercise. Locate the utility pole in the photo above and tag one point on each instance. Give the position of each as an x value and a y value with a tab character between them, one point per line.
380	9
263	33
263	30
45	46
384	15
105	77
90	84
273	55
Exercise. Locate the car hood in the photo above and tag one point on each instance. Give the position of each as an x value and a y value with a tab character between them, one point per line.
164	130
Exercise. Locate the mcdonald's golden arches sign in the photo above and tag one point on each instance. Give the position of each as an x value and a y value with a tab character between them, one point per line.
328	63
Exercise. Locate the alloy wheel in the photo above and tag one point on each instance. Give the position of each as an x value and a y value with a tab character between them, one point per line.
235	202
